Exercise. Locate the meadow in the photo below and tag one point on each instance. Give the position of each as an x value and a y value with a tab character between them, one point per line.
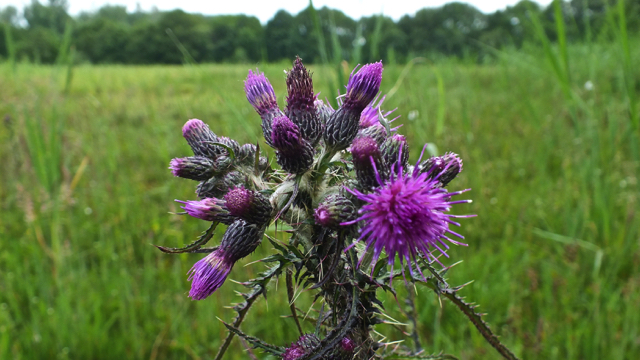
550	148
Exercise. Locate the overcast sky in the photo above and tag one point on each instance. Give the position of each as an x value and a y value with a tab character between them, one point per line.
265	9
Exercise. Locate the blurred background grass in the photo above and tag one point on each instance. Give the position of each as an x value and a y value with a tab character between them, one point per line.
549	136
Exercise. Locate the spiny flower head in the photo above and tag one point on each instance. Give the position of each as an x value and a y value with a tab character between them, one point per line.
209	209
285	135
293	153
249	205
363	86
260	92
362	149
200	138
208	274
368	162
263	99
301	108
445	167
407	215
342	126
300	88
192	167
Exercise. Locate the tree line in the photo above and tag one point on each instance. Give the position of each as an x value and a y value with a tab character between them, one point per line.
113	35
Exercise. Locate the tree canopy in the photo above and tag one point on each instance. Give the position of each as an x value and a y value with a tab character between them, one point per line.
111	34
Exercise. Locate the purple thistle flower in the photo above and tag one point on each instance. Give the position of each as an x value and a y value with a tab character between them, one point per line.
263	99
342	126
249	205
294	153
301	108
209	209
407	215
369	116
286	136
260	92
208	274
368	162
363	86
192	167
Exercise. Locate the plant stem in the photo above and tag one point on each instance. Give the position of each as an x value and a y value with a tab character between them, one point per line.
292	304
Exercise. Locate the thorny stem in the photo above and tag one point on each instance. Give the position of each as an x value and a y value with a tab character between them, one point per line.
482	326
412	316
292	304
236	323
467	310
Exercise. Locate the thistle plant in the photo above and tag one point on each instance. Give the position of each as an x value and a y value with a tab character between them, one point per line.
361	218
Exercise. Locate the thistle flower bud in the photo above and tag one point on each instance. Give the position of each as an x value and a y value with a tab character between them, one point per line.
192	167
363	86
333	210
208	274
342	126
249	205
324	111
305	345
218	186
442	168
241	239
301	109
452	168
209	209
201	139
377	131
366	154
263	99
294	154
395	149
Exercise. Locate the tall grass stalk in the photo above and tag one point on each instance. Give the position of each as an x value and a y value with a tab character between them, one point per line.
11	47
64	50
629	78
324	57
375	39
187	59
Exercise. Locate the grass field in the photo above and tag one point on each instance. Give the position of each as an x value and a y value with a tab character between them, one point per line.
553	162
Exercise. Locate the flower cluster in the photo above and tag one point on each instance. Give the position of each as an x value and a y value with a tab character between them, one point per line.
344	177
